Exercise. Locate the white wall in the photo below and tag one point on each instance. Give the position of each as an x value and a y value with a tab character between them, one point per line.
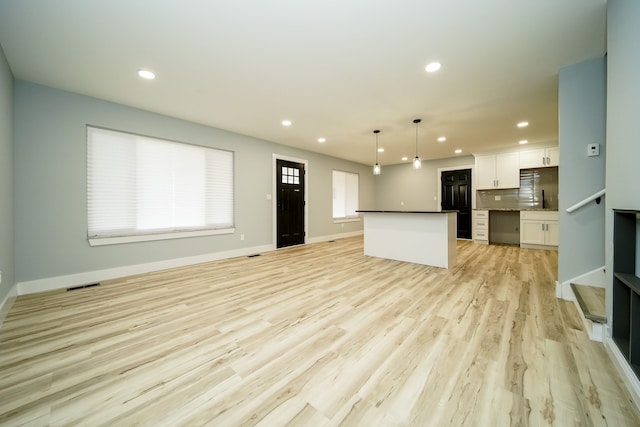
581	115
417	189
51	199
6	178
623	110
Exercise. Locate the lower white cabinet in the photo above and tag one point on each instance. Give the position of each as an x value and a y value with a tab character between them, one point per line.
481	226
538	228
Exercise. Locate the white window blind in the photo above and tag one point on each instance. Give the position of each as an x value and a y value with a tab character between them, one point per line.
345	195
139	186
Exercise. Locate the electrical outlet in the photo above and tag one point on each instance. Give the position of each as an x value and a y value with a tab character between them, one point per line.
242	237
0	276
593	150
498	198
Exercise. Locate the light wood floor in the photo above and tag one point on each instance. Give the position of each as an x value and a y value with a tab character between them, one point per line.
313	336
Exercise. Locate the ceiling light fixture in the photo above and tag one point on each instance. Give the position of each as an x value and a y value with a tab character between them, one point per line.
523	124
376	167
380	150
442	139
405	158
524	141
416	160
286	123
146	74
458	151
433	67
322	140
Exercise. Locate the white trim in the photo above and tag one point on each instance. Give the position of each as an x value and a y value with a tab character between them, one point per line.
274	200
596	277
8	301
335	236
70	280
100	241
595	330
455	168
341	220
627	374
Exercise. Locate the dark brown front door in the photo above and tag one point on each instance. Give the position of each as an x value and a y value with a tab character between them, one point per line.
290	203
456	195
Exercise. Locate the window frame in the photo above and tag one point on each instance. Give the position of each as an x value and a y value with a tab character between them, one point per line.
346	218
178	232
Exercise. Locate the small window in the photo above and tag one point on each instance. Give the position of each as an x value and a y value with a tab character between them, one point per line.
290	175
345	195
142	186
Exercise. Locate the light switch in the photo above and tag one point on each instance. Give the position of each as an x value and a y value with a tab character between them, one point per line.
593	150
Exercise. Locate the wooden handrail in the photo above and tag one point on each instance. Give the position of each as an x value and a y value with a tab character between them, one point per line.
595	196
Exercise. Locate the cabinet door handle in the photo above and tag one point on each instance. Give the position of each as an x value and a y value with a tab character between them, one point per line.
544	160
542	227
548	161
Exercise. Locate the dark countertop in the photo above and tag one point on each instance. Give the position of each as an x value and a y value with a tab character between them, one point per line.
420	212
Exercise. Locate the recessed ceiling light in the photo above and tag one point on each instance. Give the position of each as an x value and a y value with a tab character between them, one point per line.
458	151
442	139
524	141
405	158
432	67
146	74
322	140
523	124
286	123
380	150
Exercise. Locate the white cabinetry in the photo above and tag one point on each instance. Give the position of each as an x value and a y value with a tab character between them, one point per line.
538	228
498	171
540	158
481	226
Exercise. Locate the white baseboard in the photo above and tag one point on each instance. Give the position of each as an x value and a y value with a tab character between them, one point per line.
334	236
76	279
7	302
84	278
627	374
596	277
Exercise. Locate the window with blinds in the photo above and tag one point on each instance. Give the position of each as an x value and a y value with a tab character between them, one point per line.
142	186
345	195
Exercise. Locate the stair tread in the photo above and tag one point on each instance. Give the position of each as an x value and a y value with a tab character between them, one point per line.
592	302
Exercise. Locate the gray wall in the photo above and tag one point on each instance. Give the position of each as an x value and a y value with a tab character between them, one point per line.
623	112
6	177
581	115
50	185
418	189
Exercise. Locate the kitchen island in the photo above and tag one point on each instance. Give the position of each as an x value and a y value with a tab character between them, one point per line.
422	237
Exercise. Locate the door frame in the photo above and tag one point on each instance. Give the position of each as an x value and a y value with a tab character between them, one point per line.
274	196
455	168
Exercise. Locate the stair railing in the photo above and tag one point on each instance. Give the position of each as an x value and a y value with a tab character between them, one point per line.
594	197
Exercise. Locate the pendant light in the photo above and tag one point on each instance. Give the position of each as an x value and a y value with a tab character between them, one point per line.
416	160
376	167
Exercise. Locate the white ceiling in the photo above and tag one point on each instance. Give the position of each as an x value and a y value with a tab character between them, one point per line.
335	68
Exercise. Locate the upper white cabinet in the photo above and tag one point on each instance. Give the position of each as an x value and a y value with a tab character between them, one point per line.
498	171
540	158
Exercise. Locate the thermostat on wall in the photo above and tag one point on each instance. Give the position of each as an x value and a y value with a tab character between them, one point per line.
593	150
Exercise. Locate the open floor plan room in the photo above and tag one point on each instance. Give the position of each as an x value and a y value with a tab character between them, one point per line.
314	335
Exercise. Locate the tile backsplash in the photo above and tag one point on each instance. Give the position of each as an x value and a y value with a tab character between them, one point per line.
529	196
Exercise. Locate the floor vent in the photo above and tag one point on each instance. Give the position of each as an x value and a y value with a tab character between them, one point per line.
90	285
252	256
